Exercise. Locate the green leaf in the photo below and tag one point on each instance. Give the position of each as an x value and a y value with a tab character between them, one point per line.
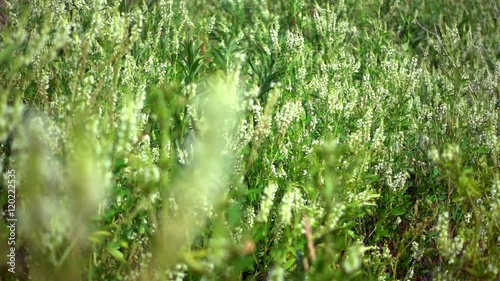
6	54
119	164
102	233
435	172
95	240
124	244
260	234
398	212
98	236
472	272
372	178
289	263
115	244
116	254
482	150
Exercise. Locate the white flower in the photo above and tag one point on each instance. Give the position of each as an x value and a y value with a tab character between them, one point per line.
287	204
267	202
398	220
416	251
467	217
277	274
290	112
353	259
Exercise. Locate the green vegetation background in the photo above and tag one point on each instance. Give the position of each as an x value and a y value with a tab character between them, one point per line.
251	139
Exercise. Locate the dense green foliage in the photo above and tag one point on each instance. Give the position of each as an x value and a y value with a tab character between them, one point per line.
251	139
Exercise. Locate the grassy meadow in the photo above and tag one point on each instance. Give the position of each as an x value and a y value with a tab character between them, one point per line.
250	140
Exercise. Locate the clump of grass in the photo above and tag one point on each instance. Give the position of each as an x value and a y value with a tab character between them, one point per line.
250	140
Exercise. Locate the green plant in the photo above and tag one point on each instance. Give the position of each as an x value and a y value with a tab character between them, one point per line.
250	140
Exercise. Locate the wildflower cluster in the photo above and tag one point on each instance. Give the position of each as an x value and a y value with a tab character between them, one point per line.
239	140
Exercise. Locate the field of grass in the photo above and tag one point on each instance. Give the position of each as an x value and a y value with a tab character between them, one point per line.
250	140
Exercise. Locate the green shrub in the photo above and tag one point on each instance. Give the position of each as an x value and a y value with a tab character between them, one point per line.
251	140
